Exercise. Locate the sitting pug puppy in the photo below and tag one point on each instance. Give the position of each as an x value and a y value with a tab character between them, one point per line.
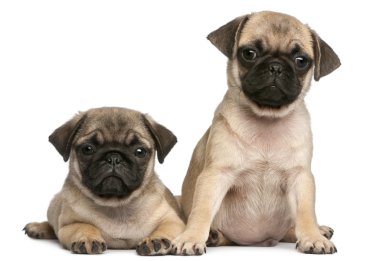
112	197
250	178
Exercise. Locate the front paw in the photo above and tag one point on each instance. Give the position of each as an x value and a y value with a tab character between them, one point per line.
88	246
187	245
315	245
154	247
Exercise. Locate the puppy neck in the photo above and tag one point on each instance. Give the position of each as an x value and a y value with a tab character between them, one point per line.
245	123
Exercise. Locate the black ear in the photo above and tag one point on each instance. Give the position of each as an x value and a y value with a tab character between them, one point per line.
226	36
326	60
164	139
62	138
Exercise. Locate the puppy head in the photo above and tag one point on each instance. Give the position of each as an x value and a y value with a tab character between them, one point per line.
272	58
111	151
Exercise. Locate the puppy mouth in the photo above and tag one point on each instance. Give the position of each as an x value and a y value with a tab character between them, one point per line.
111	183
111	186
269	96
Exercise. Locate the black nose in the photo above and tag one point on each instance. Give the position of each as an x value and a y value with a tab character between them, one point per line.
275	68
113	158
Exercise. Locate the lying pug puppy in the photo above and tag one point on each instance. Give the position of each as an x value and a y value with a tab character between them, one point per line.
250	176
112	197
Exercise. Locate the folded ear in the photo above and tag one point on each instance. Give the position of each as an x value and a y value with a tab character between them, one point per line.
163	138
63	137
226	36
325	59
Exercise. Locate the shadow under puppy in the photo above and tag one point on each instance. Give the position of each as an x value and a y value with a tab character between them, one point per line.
112	196
250	176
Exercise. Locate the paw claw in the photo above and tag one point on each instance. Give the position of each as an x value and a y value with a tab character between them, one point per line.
82	248
153	246
156	245
310	251
94	248
167	243
145	250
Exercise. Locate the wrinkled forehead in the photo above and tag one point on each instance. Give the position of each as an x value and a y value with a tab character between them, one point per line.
116	128
277	32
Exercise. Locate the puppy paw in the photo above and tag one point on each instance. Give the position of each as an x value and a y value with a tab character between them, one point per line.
213	238
40	230
88	246
216	238
326	231
315	245
188	246
154	247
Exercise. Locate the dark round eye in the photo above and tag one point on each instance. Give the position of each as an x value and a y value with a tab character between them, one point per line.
88	149
301	62
140	152
248	55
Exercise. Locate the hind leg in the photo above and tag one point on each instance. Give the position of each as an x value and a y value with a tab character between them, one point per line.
41	230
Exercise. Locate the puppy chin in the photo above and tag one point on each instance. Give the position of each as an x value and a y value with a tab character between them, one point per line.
111	187
269	112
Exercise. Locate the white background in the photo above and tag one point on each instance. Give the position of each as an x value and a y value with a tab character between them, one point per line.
60	57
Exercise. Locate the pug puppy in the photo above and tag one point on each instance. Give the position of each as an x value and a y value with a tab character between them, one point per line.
249	178
112	197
